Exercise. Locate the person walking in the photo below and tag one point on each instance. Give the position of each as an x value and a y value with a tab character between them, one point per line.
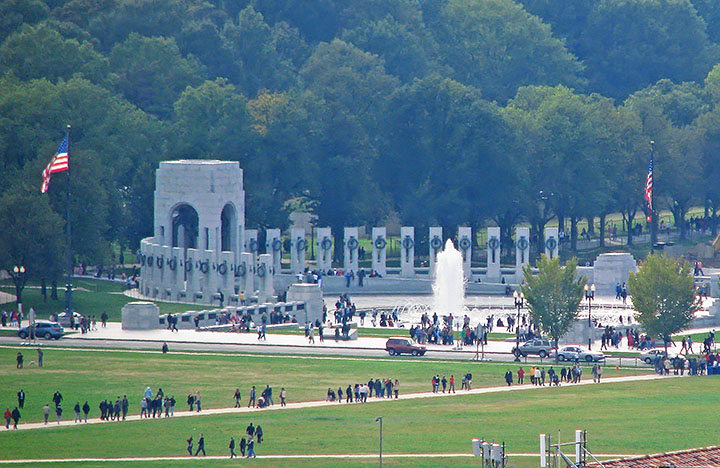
57	397
253	395
259	434
77	410
197	403
283	395
86	410
243	444
396	386
15	417
8	416
251	449
311	335
21	398
46	412
58	413
451	388
40	354
237	397
190	446
509	377
599	373
201	446
232	448
521	375
19	359
250	431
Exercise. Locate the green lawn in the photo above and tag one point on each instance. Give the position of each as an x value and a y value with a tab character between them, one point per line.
633	417
91	298
95	375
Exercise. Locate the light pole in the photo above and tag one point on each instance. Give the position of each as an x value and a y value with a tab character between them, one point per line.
589	295
519	299
380	419
19	278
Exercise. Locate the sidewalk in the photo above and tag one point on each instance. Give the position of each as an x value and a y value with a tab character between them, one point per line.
115	332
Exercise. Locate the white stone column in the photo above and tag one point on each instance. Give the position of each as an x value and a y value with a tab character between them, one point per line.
248	268
155	277
493	255
273	246
552	245
211	277
226	276
298	246
435	246
251	244
167	274
350	249
265	278
192	268
465	244
522	251
407	252
324	249
177	277
379	259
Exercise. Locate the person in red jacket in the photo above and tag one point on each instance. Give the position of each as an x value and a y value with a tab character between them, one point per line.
521	374
8	417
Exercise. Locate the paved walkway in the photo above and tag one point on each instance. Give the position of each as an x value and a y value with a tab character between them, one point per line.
322	403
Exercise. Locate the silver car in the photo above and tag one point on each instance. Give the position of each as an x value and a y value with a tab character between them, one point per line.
538	346
578	353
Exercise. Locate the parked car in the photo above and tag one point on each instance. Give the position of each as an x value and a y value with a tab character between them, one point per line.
578	353
47	330
538	346
65	319
395	346
649	355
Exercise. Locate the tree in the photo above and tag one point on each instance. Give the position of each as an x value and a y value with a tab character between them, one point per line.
497	46
630	44
152	72
553	295
663	293
42	52
33	236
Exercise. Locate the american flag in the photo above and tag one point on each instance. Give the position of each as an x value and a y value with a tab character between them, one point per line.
649	190
59	163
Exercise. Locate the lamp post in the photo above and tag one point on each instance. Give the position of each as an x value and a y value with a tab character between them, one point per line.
380	419
589	295
19	278
519	299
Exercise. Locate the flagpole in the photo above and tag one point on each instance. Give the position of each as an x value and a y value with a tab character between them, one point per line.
651	211
68	253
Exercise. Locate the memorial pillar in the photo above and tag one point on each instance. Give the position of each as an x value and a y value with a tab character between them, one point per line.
350	252
251	243
324	248
379	259
247	268
435	246
273	246
407	252
265	278
493	255
465	244
192	265
177	278
226	276
551	242
522	251
297	250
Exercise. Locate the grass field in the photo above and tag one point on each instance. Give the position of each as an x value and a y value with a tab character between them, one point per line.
95	375
91	298
628	417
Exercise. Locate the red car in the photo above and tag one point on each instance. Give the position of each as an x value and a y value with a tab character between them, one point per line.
395	346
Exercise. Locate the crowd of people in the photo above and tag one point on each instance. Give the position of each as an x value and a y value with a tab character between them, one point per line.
360	392
538	376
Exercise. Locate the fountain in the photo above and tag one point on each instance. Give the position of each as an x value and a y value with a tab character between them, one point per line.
449	286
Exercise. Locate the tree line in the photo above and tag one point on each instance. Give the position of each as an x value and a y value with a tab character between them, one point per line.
437	112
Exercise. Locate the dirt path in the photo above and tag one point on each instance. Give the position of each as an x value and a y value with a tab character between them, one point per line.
322	403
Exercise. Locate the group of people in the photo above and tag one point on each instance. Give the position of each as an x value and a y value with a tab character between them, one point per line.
538	375
448	385
253	435
264	400
14	317
154	405
360	392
